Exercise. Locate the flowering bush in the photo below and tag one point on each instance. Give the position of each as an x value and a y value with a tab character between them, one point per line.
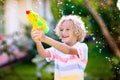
14	47
18	46
1	37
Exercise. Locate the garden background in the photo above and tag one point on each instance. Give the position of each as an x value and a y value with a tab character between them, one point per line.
19	59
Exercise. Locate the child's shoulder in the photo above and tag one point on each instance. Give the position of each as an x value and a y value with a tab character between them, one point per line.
82	45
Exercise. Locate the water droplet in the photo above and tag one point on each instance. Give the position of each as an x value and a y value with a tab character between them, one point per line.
60	9
79	13
100	50
99	42
97	46
91	34
107	58
113	28
66	4
96	41
93	38
72	6
86	27
59	3
73	12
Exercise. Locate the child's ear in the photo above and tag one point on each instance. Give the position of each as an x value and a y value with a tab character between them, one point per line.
77	32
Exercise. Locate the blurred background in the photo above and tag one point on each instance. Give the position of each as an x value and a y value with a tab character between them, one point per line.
19	59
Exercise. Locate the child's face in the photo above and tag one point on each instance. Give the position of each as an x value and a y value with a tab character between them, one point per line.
67	34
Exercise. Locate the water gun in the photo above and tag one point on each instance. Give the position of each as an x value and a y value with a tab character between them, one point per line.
37	21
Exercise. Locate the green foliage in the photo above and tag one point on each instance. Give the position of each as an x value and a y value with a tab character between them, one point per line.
55	10
2	2
98	66
69	7
110	15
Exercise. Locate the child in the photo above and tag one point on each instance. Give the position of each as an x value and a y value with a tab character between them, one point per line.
70	55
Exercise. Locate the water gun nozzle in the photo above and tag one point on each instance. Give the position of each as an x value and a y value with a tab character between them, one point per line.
27	11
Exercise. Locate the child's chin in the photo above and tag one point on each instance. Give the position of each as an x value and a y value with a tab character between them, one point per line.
64	41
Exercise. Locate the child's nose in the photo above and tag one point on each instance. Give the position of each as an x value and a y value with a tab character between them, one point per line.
64	32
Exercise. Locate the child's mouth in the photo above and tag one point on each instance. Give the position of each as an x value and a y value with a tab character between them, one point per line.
65	36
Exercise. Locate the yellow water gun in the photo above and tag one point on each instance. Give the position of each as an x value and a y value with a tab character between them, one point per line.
37	21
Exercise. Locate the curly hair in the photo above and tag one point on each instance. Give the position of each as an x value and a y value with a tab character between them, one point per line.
78	27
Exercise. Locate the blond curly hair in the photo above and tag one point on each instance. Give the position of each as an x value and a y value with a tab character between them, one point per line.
79	27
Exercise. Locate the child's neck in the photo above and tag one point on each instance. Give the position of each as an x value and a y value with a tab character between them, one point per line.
70	44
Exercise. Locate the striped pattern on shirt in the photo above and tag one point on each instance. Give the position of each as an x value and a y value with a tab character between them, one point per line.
69	67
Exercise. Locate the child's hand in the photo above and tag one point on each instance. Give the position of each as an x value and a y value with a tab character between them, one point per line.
37	35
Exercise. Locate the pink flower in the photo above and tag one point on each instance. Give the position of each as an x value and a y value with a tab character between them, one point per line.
1	37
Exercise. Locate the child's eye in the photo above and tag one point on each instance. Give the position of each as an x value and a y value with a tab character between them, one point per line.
61	29
67	29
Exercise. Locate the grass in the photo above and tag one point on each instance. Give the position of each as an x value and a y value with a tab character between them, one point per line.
20	71
24	71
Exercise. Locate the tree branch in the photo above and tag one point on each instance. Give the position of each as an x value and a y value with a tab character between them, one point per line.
104	29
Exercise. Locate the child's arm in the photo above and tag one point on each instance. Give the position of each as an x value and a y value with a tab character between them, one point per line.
42	52
60	46
36	37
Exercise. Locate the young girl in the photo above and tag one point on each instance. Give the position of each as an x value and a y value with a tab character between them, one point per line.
70	56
